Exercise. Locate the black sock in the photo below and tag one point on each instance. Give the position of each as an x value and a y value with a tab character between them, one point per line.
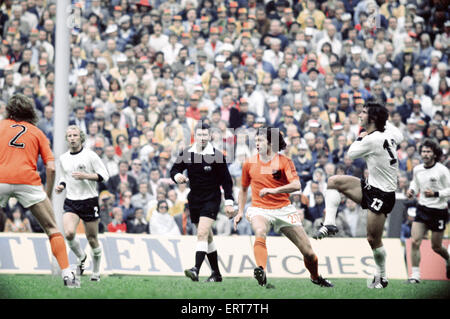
199	257
212	258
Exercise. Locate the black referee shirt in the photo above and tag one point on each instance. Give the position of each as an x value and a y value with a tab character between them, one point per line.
206	172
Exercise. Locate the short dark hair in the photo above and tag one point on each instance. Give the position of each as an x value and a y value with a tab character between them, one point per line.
202	126
437	150
268	131
21	108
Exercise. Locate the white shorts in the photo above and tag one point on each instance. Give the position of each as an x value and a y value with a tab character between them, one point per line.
26	195
278	218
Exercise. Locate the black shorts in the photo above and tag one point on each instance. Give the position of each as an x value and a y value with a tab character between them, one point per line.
376	200
86	209
435	219
206	209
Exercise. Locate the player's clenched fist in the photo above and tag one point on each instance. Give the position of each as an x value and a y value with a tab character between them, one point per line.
180	179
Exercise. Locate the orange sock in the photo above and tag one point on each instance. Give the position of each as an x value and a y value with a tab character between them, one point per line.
312	265
59	250
260	251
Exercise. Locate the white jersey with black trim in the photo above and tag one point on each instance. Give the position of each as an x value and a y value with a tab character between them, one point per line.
435	178
379	150
85	161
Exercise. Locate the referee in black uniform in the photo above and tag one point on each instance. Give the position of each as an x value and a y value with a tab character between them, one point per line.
207	171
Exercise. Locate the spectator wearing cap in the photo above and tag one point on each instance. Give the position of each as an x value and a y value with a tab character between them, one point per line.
355	61
213	45
417	112
272	113
313	101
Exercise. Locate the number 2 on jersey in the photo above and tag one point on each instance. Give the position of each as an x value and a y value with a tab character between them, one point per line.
13	141
387	147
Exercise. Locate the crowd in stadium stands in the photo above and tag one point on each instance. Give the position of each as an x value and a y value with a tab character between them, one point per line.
143	72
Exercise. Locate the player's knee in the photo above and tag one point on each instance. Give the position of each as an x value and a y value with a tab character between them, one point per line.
92	240
260	231
373	241
333	182
436	247
70	235
415	243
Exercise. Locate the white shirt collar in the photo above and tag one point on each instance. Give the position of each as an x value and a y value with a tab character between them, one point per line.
208	150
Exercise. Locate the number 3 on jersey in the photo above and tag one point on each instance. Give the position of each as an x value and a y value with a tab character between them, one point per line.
13	141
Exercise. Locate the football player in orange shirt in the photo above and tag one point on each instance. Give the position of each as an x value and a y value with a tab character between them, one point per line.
272	176
20	144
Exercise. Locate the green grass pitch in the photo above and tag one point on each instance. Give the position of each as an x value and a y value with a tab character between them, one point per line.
160	287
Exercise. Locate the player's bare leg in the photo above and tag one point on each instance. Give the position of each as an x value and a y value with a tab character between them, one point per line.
91	229
375	228
203	231
260	227
70	224
43	211
350	186
299	238
436	245
417	232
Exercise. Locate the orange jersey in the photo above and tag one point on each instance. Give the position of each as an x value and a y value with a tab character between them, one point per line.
20	145
278	172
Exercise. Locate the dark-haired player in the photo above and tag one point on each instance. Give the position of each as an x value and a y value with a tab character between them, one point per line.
207	172
431	180
272	177
377	145
21	142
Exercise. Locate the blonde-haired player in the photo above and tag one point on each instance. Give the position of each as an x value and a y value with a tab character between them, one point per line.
81	170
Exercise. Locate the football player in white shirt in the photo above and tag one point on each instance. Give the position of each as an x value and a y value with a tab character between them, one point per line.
377	146
81	169
431	180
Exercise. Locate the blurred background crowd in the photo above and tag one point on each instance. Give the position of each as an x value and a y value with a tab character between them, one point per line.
144	72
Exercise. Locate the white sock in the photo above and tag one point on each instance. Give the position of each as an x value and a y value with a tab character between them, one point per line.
202	246
415	273
332	201
96	257
66	272
75	246
211	247
379	255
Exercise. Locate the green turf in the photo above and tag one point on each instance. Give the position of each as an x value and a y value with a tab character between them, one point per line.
158	287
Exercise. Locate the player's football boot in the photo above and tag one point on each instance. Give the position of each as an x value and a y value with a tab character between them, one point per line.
378	283
215	277
192	273
325	231
322	282
413	281
95	277
260	275
71	281
80	265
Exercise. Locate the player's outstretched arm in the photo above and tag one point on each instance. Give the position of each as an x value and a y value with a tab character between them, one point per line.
288	188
